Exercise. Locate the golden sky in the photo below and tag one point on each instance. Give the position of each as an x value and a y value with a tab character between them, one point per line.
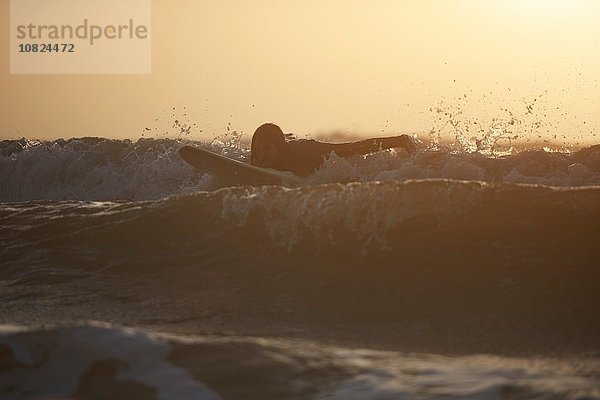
367	67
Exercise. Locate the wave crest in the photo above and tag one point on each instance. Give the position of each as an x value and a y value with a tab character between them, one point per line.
149	169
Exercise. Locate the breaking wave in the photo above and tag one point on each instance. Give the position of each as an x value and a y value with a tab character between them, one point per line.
95	360
105	169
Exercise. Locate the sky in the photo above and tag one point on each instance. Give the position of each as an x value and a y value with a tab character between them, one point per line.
314	67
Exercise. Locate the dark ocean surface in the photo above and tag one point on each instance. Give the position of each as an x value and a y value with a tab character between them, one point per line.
449	274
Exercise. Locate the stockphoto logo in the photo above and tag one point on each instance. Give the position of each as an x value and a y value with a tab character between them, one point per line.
80	37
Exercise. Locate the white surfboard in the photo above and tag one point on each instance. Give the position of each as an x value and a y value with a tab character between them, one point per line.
235	173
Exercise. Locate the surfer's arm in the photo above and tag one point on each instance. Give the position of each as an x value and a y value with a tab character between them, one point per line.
373	145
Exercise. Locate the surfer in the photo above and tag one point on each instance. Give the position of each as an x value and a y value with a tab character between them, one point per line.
270	149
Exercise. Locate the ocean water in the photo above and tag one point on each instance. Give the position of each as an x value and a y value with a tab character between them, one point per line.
453	273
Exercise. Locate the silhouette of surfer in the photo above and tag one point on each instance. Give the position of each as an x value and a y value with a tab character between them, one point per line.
272	149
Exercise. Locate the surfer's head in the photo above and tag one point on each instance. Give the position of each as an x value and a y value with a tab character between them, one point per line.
269	147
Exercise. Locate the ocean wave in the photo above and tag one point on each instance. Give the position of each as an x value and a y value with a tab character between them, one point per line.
441	264
149	169
92	360
354	215
98	169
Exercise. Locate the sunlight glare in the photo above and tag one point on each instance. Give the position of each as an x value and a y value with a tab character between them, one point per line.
551	8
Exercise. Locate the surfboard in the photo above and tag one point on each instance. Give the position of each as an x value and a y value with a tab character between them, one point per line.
233	172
